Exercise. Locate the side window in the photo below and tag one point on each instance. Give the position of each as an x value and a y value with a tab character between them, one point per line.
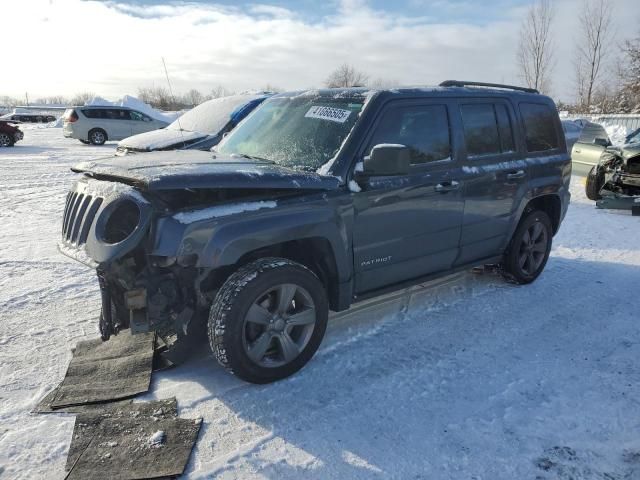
539	126
424	129
92	113
480	129
140	117
504	128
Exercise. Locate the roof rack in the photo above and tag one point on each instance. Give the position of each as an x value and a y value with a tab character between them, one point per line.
462	83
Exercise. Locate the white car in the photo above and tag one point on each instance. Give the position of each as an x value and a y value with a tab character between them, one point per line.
97	124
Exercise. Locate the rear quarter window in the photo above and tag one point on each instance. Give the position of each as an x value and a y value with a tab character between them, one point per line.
539	126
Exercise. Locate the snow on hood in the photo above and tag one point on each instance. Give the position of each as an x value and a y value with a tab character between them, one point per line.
159	139
179	169
135	104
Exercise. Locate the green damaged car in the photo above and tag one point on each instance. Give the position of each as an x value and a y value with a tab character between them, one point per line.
614	178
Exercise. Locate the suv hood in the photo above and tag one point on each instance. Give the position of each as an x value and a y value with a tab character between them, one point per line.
181	169
160	139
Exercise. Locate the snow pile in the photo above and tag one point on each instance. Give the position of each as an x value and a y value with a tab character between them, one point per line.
617	133
135	104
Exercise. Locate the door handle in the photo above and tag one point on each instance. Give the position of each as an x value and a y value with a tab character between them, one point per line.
447	186
516	175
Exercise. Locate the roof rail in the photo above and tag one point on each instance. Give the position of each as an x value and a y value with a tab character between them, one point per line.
462	83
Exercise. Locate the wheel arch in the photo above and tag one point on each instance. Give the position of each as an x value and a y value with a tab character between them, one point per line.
550	204
315	253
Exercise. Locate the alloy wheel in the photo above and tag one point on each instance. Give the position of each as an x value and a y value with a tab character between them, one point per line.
278	325
533	248
5	140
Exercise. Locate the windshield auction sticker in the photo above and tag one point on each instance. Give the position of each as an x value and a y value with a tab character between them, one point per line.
328	113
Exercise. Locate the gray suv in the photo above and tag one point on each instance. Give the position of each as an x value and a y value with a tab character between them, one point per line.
315	201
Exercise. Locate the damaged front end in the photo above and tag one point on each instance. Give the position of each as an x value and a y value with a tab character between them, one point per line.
618	173
108	226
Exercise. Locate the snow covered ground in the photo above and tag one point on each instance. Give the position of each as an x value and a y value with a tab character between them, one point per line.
473	378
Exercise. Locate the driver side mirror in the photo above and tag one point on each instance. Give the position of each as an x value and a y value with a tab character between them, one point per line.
386	160
603	142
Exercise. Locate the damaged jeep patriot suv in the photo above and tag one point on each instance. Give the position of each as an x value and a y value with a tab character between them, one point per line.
317	200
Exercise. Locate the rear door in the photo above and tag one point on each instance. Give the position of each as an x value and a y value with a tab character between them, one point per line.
494	173
408	226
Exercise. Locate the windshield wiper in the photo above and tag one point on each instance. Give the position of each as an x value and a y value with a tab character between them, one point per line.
252	157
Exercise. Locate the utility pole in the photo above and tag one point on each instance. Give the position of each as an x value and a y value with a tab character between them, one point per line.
26	96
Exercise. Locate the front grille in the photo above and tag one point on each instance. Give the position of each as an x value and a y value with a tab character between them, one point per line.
79	213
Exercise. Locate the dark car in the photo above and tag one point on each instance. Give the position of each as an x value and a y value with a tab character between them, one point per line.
318	200
200	128
9	133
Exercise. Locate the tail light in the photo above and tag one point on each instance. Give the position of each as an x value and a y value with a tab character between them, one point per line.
70	115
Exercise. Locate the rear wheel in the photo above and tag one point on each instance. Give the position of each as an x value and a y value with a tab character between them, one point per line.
6	140
97	136
268	320
595	182
529	249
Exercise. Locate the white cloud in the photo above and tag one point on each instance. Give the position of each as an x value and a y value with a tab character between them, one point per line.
68	46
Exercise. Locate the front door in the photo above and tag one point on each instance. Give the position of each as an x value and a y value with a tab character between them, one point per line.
409	226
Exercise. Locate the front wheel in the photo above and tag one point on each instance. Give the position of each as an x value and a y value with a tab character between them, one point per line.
594	183
529	249
268	320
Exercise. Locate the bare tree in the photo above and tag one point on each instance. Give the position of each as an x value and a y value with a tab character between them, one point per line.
346	76
595	39
382	83
193	97
82	97
535	47
219	91
629	73
157	97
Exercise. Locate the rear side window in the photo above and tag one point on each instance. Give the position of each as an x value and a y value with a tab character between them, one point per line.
487	129
117	114
539	126
93	113
424	129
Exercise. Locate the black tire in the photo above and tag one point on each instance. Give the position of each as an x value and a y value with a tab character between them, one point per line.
229	327
595	182
97	136
6	140
519	247
86	142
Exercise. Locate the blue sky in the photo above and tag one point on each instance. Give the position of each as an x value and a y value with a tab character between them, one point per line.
114	47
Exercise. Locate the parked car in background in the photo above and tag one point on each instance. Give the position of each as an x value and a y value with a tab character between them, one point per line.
317	200
199	129
614	171
9	134
98	124
29	117
572	132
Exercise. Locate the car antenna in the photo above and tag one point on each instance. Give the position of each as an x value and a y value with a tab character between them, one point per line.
166	73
